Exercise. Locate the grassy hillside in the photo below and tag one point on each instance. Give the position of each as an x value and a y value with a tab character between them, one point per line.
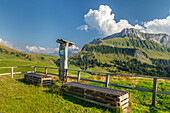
153	50
11	57
19	96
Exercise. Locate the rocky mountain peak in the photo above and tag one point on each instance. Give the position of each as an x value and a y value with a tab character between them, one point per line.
162	39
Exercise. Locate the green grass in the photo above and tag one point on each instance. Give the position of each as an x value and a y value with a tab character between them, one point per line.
157	54
152	53
139	101
18	96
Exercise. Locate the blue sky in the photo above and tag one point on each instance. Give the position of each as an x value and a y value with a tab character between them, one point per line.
35	25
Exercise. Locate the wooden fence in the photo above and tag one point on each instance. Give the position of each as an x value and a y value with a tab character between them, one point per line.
78	78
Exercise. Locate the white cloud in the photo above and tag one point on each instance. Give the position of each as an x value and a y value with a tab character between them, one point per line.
41	49
83	27
34	49
138	27
74	49
103	21
6	43
158	26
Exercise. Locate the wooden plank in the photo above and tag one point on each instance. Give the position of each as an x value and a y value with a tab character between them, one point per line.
163	92
125	101
94	97
40	72
77	89
72	77
154	92
123	97
53	74
47	67
140	89
125	106
92	101
46	78
93	81
103	96
100	89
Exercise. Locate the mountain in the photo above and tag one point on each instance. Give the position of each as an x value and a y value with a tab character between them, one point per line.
161	39
130	52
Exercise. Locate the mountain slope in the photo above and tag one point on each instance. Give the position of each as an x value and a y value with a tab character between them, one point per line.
129	51
12	57
161	39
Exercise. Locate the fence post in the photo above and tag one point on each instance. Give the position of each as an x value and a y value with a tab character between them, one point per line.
59	72
35	69
78	76
154	92
12	69
107	80
66	75
45	70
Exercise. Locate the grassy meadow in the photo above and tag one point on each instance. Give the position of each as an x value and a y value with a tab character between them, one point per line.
18	96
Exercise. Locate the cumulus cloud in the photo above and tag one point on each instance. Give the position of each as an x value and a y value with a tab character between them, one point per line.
158	26
6	43
41	49
103	21
83	27
74	49
53	51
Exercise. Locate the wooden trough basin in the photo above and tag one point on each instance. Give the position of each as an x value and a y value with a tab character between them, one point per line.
38	79
107	97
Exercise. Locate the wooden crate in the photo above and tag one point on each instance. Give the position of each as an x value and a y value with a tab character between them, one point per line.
107	97
38	79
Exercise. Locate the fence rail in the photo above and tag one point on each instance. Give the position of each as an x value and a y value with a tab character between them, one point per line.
78	78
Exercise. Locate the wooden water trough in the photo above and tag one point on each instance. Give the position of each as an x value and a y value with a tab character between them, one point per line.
107	97
38	79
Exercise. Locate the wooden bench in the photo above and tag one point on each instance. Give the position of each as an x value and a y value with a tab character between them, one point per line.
107	97
38	79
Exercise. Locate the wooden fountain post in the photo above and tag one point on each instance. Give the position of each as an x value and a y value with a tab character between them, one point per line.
63	52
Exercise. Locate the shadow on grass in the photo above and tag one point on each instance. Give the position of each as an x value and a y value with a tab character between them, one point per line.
27	83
